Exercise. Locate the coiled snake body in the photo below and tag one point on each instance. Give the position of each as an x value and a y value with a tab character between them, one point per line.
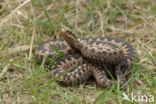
89	57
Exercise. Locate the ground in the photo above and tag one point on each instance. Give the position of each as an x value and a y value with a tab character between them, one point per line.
26	23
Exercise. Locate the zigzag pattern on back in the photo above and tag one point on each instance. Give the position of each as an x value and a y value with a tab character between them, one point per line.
112	51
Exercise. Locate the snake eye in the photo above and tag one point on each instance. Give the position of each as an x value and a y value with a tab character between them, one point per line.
68	33
71	34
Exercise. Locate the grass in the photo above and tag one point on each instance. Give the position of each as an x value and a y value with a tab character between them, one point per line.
25	24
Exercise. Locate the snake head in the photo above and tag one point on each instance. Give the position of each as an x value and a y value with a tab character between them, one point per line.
70	39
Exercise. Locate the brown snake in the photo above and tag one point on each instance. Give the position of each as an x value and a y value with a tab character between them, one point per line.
87	57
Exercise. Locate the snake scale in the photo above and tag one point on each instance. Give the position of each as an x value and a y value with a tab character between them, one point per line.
85	57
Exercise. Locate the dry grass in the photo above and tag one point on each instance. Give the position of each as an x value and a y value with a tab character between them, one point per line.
25	23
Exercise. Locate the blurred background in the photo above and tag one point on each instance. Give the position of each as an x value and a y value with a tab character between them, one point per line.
26	23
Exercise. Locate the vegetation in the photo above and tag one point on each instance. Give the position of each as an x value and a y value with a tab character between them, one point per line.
26	23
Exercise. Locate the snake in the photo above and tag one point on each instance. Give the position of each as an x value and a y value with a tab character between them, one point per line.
86	57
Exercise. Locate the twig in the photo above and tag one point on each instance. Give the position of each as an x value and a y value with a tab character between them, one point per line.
33	34
15	50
